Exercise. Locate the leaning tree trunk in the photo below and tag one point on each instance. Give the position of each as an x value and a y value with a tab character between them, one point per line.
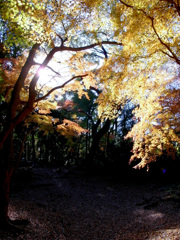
6	171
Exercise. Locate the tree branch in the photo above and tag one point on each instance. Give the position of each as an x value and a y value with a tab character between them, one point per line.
76	49
170	56
62	40
13	120
61	86
32	92
133	7
87	114
163	43
95	89
15	99
35	63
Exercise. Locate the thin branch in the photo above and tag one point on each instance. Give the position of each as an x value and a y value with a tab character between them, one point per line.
170	56
133	7
35	63
163	43
87	114
64	27
96	55
61	86
62	40
76	49
45	50
105	52
95	89
127	5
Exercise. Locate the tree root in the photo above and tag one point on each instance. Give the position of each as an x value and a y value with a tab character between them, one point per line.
19	222
14	226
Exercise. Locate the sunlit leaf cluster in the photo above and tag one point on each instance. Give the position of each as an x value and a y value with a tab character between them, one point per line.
69	128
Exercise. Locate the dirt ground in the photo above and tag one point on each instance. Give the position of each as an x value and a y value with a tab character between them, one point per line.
72	205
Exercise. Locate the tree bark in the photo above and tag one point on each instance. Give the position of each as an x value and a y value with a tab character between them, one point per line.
4	195
6	170
96	137
33	148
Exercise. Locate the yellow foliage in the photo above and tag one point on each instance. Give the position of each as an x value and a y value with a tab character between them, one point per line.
145	71
46	105
69	128
45	123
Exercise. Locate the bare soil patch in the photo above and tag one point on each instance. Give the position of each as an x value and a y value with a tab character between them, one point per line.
72	205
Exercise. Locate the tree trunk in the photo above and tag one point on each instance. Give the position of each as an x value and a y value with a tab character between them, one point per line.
87	137
28	151
7	165
47	150
34	149
4	195
96	137
107	143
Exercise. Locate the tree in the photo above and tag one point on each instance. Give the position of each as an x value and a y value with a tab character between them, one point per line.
146	71
96	128
49	25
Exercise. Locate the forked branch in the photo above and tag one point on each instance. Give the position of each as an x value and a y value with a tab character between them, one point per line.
59	87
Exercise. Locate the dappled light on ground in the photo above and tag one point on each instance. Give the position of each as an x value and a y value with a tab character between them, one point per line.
170	234
148	217
77	206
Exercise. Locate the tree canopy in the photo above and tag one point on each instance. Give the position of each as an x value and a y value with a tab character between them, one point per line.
130	50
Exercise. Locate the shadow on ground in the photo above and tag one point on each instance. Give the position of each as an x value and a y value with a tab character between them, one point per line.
71	205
